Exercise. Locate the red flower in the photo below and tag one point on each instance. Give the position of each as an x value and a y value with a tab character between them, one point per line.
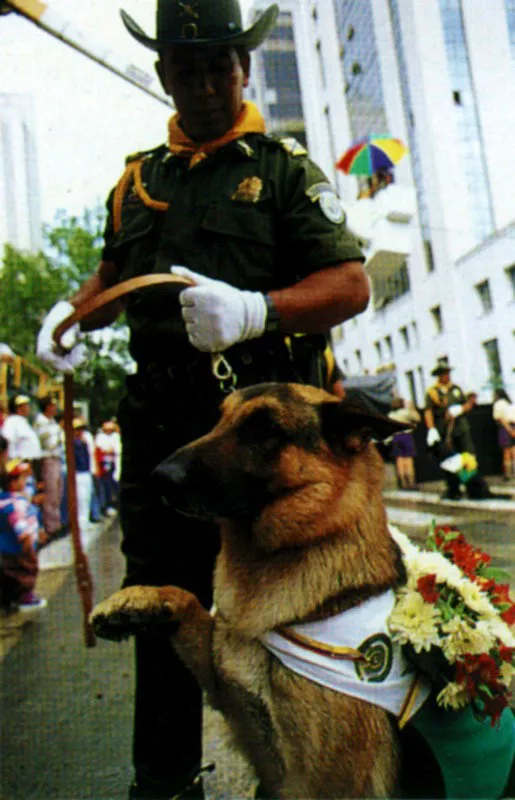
426	585
506	653
474	670
494	706
501	596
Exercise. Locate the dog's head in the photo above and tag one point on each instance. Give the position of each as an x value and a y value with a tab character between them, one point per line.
276	446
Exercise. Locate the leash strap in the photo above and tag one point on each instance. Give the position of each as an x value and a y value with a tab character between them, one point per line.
82	572
222	371
221	368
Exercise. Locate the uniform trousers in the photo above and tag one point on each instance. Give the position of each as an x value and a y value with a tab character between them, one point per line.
164	548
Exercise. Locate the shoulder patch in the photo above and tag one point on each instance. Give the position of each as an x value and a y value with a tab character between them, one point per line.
292	146
330	205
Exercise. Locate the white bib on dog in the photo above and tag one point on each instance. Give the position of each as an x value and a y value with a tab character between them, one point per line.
353	653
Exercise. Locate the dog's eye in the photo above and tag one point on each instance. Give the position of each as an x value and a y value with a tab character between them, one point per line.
260	428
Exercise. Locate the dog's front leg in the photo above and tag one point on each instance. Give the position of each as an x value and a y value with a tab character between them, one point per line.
163	610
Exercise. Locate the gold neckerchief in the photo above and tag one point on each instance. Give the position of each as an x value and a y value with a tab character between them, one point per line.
249	120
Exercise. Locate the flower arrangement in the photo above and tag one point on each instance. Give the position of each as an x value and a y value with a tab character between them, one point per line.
454	616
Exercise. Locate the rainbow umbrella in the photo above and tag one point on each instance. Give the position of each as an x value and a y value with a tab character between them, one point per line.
367	155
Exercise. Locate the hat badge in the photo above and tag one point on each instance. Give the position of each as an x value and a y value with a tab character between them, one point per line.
189	29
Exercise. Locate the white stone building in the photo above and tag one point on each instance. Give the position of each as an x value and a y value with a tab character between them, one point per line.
440	240
20	218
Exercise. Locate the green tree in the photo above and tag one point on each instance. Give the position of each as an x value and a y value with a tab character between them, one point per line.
31	284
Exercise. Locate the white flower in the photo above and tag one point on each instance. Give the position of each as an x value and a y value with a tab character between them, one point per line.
477	600
501	630
465	637
415	621
454	696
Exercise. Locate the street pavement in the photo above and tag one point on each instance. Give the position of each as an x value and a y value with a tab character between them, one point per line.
66	709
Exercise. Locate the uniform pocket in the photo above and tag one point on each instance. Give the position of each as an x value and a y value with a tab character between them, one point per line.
241	220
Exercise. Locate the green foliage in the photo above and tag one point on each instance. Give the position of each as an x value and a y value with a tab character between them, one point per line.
31	284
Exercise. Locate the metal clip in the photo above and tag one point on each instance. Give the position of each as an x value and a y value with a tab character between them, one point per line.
223	372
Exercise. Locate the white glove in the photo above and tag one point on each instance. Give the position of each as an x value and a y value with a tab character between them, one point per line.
218	315
433	437
46	348
455	411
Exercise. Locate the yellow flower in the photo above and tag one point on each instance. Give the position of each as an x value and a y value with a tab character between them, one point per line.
464	637
469	461
506	674
415	621
453	696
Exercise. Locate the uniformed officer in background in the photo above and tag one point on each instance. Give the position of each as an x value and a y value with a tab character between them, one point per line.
448	430
258	228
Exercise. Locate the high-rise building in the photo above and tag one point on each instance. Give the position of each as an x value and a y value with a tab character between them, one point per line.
20	220
440	240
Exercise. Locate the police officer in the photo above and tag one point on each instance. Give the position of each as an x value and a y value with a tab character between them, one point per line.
449	430
258	229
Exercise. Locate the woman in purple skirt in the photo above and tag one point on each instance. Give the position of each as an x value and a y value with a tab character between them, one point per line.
403	444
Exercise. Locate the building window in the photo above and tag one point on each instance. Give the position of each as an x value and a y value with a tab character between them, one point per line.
436	316
414	331
485	296
510	274
379	352
493	362
456	96
385	290
421	379
389	345
359	360
428	254
404	334
410	379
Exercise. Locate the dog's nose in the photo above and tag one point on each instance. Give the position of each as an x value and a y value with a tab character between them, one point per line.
172	470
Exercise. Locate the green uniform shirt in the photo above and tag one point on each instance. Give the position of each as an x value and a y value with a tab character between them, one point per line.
254	214
438	399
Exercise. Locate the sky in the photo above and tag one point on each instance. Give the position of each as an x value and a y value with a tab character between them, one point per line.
86	119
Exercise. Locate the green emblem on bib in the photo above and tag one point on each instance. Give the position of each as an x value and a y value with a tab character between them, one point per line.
377	650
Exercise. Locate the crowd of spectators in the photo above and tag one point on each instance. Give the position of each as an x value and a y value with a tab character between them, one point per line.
33	507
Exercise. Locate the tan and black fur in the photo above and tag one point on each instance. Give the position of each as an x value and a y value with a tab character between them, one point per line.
295	480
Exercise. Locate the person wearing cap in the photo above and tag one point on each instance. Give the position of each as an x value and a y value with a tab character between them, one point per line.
257	228
23	439
20	538
82	452
448	430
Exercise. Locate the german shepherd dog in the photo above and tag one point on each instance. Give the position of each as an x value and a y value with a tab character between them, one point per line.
293	477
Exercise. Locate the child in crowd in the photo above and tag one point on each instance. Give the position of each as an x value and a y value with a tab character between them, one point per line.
20	539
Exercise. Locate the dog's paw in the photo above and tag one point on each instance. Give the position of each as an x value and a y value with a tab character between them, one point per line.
134	610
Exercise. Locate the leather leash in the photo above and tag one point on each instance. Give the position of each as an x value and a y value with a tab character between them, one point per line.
221	370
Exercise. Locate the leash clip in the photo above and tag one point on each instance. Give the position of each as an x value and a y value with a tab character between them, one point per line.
223	372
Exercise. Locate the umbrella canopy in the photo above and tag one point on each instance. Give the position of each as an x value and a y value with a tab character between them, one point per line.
372	153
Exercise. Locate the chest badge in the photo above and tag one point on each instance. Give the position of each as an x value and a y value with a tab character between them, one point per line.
249	190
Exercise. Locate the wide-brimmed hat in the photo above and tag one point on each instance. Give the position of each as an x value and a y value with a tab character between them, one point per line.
202	22
441	368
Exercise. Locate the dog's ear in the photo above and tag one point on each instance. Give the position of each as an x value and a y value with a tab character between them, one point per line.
354	422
